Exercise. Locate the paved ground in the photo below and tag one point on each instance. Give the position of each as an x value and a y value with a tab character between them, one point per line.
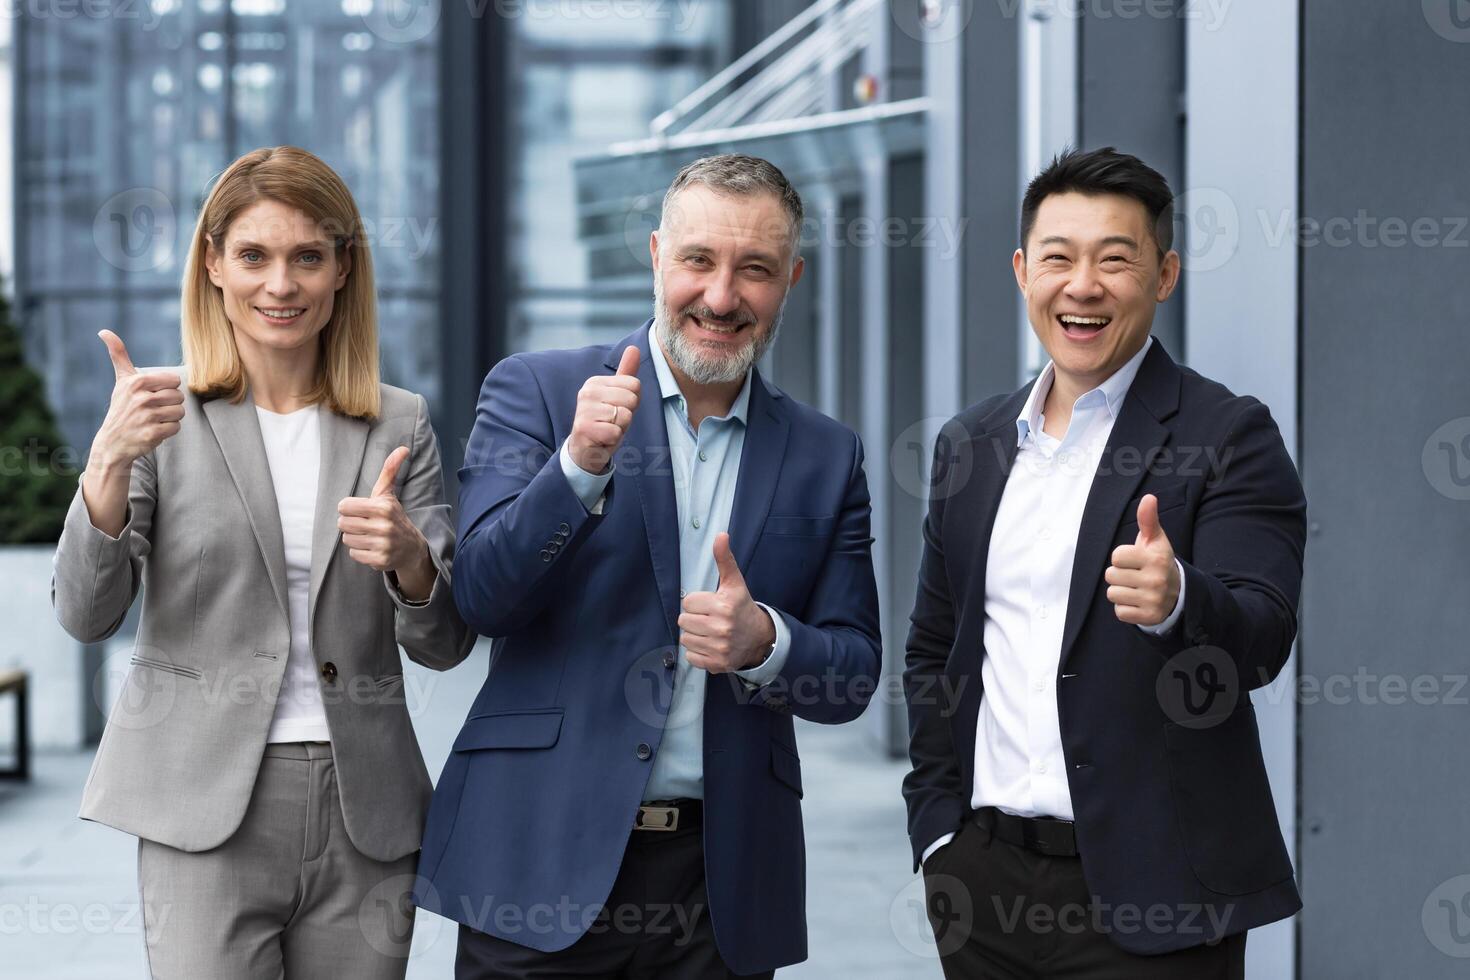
68	899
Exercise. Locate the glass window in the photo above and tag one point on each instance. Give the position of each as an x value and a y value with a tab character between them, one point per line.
588	75
124	119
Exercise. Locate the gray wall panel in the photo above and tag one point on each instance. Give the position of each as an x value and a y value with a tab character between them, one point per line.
1385	364
990	200
1240	311
1132	86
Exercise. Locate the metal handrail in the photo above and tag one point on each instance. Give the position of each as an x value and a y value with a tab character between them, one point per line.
665	122
824	48
877	112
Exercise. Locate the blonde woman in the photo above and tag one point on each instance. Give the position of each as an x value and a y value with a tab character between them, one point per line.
285	513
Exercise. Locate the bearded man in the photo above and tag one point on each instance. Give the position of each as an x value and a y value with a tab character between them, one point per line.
674	559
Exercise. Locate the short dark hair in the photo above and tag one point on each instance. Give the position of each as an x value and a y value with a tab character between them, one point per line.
1104	171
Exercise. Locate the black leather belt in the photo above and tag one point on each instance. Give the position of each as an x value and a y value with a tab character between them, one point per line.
1044	835
663	816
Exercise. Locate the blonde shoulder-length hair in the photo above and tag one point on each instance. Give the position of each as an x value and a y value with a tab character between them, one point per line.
348	381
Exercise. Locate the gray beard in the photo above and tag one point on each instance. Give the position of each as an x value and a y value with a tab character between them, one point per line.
699	366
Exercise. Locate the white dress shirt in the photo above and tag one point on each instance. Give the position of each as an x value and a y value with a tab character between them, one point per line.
1019	765
293	451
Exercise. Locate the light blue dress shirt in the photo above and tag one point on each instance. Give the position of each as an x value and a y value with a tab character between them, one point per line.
706	465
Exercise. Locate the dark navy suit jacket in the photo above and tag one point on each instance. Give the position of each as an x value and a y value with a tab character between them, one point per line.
1174	816
534	808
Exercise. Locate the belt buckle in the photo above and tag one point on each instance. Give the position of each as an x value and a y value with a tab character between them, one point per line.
666	817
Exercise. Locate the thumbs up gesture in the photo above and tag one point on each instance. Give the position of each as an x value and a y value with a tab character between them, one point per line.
605	408
1143	580
725	630
377	532
146	408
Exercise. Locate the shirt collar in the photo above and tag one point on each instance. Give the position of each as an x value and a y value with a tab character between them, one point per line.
1112	391
668	385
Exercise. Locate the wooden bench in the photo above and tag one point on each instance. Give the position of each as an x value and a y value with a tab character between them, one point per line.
14	682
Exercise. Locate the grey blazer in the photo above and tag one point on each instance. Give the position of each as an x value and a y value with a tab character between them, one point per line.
184	741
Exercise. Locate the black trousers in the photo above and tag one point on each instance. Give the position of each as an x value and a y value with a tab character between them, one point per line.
654	925
1002	912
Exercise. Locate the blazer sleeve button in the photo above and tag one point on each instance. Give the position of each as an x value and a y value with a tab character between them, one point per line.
329	671
644	751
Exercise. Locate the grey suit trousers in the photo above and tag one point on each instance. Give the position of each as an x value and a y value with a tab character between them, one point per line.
287	896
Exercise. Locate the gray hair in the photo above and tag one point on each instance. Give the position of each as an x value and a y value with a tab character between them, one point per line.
738	175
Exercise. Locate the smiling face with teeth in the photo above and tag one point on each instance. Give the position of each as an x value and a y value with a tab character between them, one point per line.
1092	274
722	267
278	274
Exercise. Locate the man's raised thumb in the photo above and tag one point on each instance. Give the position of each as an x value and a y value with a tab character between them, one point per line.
628	366
1149	529
730	577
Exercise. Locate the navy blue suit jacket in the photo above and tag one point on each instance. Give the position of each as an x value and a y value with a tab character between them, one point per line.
1169	790
534	808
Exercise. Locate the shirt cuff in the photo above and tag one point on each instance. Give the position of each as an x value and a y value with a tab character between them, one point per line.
589	487
935	846
766	672
1168	624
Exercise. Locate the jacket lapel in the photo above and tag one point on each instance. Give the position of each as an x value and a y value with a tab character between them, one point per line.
760	467
648	440
237	431
343	440
971	478
980	465
1138	437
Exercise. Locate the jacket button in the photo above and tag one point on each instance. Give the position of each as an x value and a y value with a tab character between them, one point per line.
564	528
329	670
669	659
545	555
644	751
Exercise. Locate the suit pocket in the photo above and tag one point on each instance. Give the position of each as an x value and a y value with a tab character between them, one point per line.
510	730
163	665
1170	496
1217	778
786	767
799	527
